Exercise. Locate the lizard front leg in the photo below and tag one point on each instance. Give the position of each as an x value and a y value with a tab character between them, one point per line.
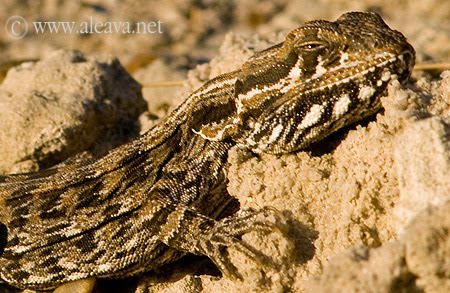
195	233
190	205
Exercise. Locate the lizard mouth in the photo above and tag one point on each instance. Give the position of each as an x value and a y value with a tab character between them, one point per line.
405	70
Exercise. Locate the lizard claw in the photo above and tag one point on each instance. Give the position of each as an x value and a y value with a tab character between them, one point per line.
228	232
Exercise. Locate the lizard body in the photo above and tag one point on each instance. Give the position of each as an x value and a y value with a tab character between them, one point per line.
148	202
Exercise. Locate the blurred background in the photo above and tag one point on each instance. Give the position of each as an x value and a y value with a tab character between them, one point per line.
187	33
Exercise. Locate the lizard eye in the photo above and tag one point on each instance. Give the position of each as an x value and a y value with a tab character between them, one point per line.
311	46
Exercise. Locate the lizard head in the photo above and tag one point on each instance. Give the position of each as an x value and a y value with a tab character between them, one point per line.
325	51
324	76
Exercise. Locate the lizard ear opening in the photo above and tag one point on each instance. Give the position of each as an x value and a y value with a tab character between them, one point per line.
218	131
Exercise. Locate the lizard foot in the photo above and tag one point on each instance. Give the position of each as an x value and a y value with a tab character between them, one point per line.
228	232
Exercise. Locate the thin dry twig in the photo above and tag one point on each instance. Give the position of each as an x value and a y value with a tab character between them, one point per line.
169	83
432	66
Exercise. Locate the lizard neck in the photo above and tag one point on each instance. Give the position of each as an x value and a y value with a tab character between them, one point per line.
208	107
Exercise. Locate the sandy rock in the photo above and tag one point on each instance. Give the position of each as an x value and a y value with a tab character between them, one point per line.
63	105
427	241
160	85
418	262
422	158
360	269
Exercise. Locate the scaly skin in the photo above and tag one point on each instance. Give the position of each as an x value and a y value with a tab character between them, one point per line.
163	195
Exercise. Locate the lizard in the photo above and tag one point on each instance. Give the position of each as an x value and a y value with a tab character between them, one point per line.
163	195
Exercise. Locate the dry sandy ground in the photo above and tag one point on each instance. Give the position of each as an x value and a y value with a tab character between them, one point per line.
368	209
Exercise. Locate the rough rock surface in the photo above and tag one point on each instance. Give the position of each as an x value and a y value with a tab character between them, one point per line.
62	105
422	157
